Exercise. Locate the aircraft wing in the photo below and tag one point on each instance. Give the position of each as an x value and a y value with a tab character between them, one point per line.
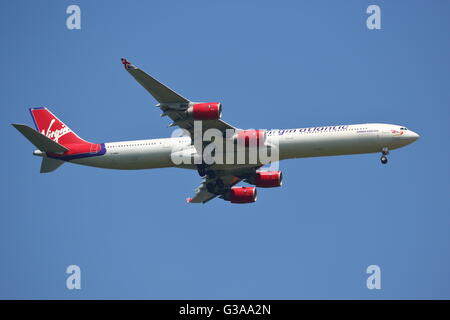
213	187
218	186
171	103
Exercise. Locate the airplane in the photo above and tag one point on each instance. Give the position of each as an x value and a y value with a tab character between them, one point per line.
56	143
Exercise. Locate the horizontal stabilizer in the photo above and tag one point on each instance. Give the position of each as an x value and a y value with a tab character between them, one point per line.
49	164
41	142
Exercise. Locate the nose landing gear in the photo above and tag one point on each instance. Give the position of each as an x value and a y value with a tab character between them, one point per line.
384	158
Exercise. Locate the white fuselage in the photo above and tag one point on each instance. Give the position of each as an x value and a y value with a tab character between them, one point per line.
292	143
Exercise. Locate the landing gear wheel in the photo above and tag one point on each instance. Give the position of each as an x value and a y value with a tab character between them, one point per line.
384	153
210	187
220	184
201	171
211	174
215	187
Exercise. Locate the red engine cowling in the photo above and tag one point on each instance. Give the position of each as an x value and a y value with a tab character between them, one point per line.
268	179
205	111
251	137
242	194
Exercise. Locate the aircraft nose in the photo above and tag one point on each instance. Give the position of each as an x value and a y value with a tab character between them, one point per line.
414	136
408	137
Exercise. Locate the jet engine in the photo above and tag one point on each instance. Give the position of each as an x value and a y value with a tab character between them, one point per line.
267	179
241	195
205	111
250	137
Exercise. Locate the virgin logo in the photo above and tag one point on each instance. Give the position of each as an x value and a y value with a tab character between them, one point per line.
397	133
55	134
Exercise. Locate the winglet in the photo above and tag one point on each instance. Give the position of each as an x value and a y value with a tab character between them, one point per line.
127	64
188	200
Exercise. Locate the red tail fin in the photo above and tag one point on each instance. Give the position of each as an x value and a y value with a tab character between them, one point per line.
49	125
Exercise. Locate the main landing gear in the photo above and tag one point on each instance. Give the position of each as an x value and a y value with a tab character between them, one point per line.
216	187
384	158
202	170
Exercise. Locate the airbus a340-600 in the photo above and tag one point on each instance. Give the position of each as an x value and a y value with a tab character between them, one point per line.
57	144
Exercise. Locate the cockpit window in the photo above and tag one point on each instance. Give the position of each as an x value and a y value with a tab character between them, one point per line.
403	128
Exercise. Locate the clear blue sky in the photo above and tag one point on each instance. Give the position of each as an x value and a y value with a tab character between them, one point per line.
273	64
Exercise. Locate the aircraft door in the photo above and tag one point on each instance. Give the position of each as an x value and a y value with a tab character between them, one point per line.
385	137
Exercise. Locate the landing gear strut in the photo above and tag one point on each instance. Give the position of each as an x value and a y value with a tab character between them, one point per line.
216	187
384	158
203	171
201	168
